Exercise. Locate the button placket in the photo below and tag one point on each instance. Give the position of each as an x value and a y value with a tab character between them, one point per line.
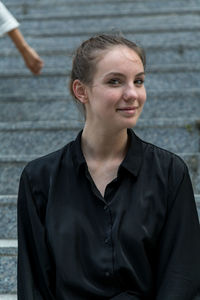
108	239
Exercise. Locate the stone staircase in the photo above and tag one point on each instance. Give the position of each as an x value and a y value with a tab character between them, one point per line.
37	115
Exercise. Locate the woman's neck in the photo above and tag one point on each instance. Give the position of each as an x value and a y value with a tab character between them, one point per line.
102	144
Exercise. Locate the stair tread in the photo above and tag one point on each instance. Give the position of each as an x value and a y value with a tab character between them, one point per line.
65	71
67	124
61	95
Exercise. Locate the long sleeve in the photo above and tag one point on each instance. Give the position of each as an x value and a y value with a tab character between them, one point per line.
35	275
178	265
7	21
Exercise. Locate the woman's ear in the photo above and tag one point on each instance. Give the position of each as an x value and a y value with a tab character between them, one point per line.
80	91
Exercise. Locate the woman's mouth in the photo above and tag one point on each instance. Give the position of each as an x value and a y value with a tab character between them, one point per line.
128	110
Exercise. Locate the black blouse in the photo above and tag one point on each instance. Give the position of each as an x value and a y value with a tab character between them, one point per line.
140	241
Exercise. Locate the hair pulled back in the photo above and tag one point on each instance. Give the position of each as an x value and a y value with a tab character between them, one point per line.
90	51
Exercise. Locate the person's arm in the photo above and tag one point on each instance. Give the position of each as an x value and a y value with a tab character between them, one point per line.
9	25
30	56
36	276
178	263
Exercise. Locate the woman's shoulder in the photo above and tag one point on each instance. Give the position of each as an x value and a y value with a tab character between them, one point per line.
163	158
45	165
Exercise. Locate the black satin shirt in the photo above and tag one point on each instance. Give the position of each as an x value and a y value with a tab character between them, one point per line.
140	241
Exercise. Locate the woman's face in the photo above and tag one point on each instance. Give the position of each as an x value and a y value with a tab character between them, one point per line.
116	97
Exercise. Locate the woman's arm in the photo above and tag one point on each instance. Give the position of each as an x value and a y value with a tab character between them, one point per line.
35	271
178	264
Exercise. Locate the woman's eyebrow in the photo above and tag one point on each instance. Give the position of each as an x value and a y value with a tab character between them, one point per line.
114	74
141	73
121	74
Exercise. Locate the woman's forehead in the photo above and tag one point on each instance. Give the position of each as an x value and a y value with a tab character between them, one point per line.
118	57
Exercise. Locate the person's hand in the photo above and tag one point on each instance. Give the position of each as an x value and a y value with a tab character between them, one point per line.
32	60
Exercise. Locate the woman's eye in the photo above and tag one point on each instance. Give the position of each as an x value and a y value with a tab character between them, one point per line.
139	81
114	81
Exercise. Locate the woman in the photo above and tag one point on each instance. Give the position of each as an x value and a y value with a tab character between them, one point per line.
108	216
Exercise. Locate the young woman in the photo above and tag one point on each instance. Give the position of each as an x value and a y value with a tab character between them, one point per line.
108	216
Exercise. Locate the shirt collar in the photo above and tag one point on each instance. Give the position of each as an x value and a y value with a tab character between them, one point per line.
134	157
132	161
77	154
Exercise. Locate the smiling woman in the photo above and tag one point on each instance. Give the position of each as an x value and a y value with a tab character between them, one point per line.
108	216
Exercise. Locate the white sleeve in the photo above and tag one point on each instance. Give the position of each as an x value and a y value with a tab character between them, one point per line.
7	21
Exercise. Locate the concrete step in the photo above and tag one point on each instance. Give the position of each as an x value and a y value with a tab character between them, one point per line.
77	9
42	107
71	2
8	269
167	41
176	135
138	4
106	24
36	138
11	168
8	216
13	64
46	136
8	297
159	78
82	10
56	70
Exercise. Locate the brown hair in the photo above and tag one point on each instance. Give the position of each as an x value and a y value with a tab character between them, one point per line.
88	53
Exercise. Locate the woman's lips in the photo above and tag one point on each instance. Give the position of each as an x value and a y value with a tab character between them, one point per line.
128	110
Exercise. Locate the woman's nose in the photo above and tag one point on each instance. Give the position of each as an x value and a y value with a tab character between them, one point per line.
130	93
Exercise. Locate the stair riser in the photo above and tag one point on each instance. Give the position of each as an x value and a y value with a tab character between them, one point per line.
95	25
38	111
34	142
100	8
8	221
184	105
51	84
157	41
39	142
8	274
152	3
162	57
10	173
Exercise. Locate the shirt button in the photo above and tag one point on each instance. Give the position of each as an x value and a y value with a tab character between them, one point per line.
106	240
107	274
